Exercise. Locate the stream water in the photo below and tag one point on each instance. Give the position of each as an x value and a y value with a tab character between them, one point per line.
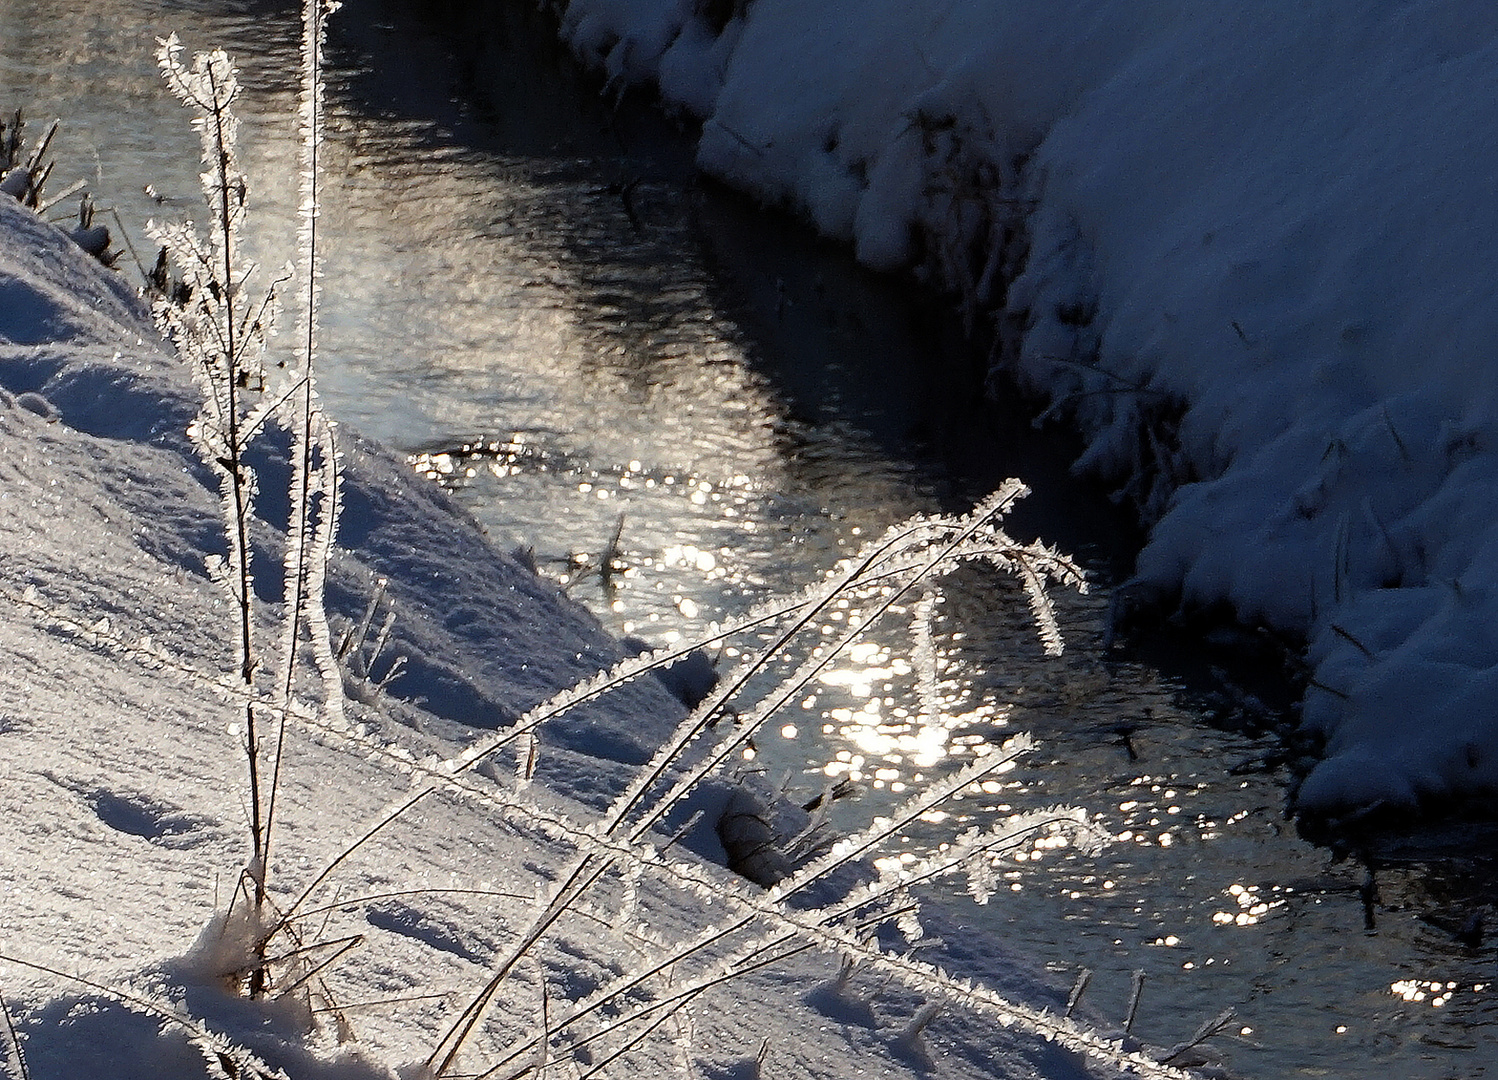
530	294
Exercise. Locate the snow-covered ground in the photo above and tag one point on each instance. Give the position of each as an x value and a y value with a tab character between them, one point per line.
124	794
1249	248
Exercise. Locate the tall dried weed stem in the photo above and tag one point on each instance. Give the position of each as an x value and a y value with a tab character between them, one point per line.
221	326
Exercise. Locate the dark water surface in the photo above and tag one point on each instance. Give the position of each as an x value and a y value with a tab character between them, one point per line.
529	293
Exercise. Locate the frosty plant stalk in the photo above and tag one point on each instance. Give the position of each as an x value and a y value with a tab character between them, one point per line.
222	333
221	327
314	453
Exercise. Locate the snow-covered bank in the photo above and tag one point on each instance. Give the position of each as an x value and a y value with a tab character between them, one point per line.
123	796
1248	249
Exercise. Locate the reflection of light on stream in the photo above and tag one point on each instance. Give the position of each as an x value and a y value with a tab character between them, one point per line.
1251	908
909	719
1435	992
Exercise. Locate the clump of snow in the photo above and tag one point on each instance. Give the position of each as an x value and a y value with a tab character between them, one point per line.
1249	250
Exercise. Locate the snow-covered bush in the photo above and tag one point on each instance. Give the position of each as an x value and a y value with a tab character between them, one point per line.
23	175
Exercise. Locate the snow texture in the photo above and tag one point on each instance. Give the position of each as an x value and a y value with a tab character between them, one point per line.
123	777
1249	249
